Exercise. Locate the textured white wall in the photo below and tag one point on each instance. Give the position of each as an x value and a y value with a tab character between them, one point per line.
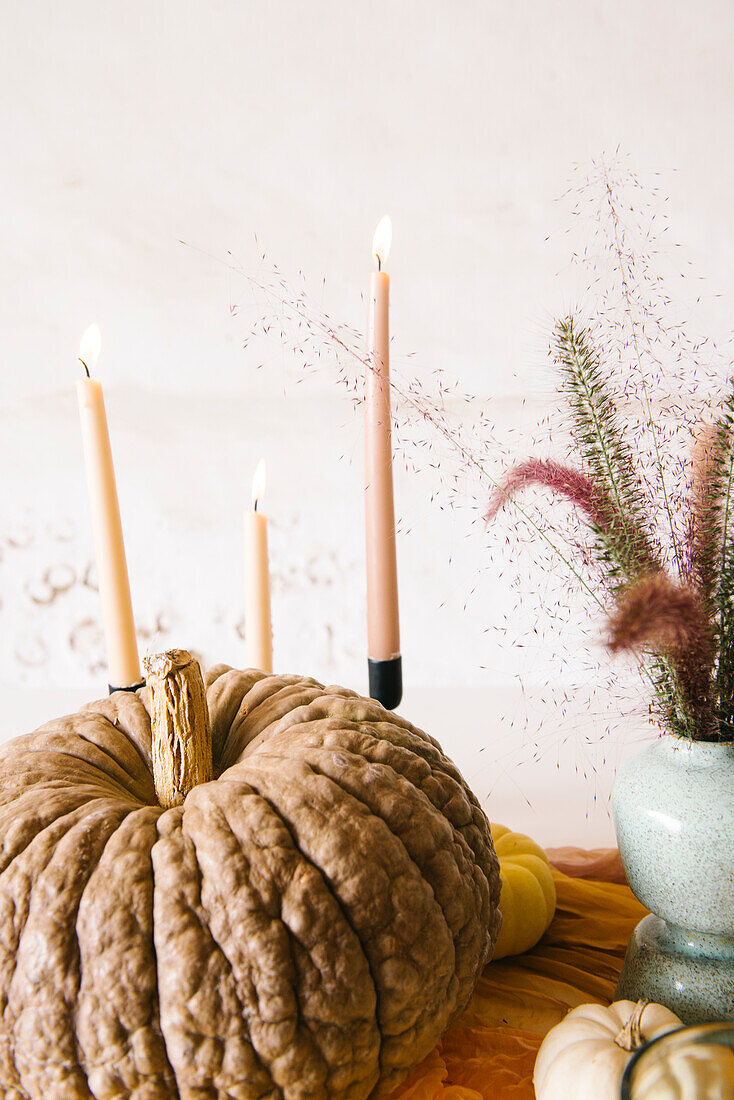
127	127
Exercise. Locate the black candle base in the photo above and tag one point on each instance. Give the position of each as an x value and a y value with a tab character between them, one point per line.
133	687
386	681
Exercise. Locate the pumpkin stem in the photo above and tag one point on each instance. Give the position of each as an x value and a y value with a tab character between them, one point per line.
181	735
630	1037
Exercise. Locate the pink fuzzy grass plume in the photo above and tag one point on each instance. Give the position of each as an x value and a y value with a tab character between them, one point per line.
671	619
704	527
656	612
616	528
572	484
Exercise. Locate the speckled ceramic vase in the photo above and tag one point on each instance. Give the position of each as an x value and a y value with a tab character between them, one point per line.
673	808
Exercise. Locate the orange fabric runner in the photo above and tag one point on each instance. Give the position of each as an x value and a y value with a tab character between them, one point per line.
490	1051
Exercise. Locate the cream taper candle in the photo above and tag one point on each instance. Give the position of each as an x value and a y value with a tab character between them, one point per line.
258	630
123	665
383	627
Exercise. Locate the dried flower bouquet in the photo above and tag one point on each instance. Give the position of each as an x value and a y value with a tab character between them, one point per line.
678	618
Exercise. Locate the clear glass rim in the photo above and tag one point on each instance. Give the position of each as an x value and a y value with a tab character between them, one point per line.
721	1033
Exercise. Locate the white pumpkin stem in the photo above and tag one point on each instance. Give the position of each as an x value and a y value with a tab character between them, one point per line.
630	1037
182	739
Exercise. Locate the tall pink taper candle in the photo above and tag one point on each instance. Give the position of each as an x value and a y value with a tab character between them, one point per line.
383	626
123	665
258	630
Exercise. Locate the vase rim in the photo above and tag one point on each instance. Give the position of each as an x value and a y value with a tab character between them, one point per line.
702	750
695	740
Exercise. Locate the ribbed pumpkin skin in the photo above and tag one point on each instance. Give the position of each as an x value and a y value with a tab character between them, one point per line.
528	898
305	926
579	1058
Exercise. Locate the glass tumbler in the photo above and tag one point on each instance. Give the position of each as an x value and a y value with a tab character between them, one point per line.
691	1063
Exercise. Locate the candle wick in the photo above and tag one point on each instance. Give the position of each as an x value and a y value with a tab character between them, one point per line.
379	262
85	367
255	505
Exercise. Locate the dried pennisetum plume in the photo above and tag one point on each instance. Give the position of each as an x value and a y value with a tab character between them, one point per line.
711	450
564	480
656	612
579	490
671	620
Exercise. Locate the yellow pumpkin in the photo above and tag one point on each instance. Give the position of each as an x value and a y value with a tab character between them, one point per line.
528	897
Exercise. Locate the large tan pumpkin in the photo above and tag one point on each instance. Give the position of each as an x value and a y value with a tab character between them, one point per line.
306	925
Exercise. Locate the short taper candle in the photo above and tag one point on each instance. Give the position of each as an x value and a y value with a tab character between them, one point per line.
258	630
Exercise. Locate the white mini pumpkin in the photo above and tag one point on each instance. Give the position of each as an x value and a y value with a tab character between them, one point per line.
585	1055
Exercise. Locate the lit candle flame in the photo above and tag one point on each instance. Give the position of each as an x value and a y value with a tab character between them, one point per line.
258	484
90	347
382	240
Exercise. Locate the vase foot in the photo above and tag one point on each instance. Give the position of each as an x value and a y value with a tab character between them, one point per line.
689	973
